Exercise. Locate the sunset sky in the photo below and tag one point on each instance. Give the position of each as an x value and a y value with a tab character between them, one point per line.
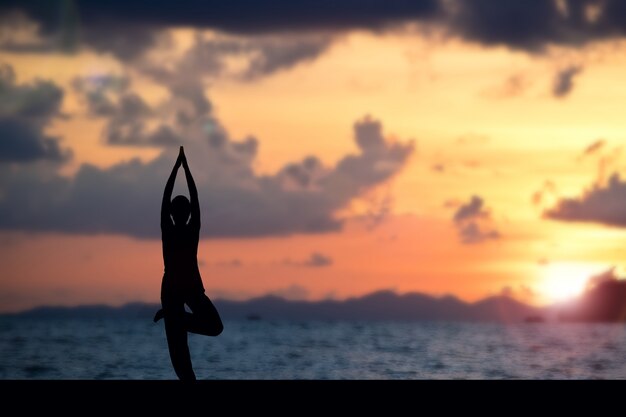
469	147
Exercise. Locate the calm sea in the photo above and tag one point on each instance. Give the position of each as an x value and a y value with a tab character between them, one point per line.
114	349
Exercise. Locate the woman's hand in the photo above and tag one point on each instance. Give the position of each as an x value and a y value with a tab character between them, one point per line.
182	157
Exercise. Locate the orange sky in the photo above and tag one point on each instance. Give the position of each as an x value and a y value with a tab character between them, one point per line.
492	141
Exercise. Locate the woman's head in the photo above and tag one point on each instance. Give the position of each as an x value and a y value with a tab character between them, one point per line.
180	209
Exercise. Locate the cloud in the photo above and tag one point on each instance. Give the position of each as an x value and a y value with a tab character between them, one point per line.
594	147
472	222
66	27
302	197
315	260
99	90
548	190
525	25
471	210
128	115
257	57
471	233
23	142
128	29
250	17
272	54
602	278
532	25
25	112
440	168
564	80
603	204
513	86
133	122
607	159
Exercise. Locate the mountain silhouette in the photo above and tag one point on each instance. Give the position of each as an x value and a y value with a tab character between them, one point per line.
379	305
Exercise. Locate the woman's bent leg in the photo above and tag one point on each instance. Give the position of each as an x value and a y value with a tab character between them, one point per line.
204	319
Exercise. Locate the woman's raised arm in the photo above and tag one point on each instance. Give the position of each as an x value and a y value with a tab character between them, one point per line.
193	192
167	193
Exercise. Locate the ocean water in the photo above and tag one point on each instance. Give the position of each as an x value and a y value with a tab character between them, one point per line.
134	349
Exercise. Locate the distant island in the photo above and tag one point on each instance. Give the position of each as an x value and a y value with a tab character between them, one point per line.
604	300
380	305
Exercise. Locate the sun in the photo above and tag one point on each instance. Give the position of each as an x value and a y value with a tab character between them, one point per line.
564	281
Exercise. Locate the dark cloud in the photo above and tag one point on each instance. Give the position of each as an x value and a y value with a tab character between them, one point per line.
127	29
66	26
25	112
564	80
533	24
472	222
521	24
603	204
246	16
24	142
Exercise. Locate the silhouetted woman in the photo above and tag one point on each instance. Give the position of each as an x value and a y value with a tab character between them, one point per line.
182	283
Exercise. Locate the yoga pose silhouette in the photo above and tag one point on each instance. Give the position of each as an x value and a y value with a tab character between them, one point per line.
182	283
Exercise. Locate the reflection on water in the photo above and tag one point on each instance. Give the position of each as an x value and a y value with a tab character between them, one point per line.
259	349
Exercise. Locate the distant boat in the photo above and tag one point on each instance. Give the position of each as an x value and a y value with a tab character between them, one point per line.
253	316
534	319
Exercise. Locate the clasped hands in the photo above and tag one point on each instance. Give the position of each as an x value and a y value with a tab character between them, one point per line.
182	159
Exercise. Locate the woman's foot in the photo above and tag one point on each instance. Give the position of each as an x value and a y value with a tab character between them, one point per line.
158	316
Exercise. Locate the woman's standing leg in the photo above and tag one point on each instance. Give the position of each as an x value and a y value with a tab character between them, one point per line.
176	333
